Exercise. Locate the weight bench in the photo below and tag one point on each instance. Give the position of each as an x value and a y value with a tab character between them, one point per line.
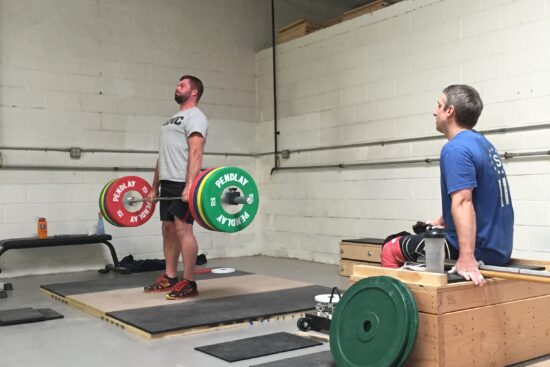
65	240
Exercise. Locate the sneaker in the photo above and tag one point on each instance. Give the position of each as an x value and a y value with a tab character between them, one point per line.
185	288
162	284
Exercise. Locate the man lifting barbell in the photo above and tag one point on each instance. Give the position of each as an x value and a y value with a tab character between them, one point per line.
181	146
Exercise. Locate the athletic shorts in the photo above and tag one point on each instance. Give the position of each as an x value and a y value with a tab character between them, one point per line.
173	208
413	246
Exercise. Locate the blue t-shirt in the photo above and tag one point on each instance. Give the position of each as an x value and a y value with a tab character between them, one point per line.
470	161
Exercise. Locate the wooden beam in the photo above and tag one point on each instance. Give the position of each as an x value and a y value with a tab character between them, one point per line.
406	276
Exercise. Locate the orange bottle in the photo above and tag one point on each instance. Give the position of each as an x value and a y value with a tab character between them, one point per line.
42	228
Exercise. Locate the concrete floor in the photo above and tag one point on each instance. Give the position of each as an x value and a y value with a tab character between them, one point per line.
83	340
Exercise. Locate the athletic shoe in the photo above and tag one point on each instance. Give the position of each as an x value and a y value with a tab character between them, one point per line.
162	284
185	288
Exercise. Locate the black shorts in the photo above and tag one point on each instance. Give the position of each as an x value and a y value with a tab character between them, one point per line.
413	246
173	208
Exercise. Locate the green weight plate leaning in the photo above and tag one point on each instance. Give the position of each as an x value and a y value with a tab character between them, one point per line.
413	325
372	324
217	186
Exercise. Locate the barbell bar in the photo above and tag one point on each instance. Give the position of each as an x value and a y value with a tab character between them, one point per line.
504	272
237	200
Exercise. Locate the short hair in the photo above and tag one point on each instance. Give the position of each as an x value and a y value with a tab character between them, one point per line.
196	83
466	102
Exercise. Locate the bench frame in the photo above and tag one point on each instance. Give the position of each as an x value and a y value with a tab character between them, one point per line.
64	240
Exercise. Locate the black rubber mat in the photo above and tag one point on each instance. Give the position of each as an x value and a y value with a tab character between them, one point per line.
220	311
370	241
257	346
112	282
27	315
321	359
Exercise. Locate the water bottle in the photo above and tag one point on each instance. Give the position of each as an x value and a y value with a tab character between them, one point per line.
42	228
434	246
100	225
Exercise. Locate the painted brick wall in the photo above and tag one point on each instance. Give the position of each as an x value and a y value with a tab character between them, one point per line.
378	77
101	74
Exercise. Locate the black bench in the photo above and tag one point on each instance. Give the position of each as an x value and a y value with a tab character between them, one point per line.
64	240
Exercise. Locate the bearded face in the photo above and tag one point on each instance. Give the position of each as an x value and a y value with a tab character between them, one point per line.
181	97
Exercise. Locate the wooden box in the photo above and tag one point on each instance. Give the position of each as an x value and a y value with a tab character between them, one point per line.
501	323
297	29
364	251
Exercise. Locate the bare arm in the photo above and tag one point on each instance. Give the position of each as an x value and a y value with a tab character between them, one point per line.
464	218
194	162
156	184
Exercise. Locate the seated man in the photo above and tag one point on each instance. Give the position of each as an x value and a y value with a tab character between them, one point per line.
477	207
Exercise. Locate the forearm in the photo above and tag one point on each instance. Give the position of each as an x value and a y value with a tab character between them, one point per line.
464	218
156	181
194	165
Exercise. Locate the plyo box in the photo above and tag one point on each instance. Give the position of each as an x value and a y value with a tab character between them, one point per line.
504	322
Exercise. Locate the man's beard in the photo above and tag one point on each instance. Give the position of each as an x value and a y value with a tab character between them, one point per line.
180	98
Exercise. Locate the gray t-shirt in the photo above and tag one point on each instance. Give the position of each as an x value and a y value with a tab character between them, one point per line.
173	148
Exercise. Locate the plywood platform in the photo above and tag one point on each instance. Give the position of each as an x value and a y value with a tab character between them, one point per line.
223	301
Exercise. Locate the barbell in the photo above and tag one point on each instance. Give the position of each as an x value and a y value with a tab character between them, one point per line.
224	199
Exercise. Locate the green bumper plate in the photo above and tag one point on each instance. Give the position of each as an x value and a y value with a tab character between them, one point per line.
375	324
216	211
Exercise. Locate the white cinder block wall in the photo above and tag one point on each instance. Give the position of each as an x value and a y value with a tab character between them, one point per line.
378	77
101	74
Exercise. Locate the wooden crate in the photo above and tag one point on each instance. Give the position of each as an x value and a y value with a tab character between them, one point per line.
365	251
365	9
504	322
297	29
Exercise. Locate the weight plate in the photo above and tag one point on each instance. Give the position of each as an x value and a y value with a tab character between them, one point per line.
102	204
100	201
413	321
116	207
222	270
199	193
216	211
370	326
193	199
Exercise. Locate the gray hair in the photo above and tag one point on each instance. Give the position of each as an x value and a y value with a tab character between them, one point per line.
466	102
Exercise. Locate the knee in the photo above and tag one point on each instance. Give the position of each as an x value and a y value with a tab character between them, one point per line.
167	228
391	256
183	229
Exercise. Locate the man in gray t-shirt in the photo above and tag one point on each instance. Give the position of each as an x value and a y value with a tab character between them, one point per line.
182	139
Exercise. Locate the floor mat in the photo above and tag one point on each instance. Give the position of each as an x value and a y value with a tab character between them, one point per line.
112	282
321	359
258	346
27	315
220	311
